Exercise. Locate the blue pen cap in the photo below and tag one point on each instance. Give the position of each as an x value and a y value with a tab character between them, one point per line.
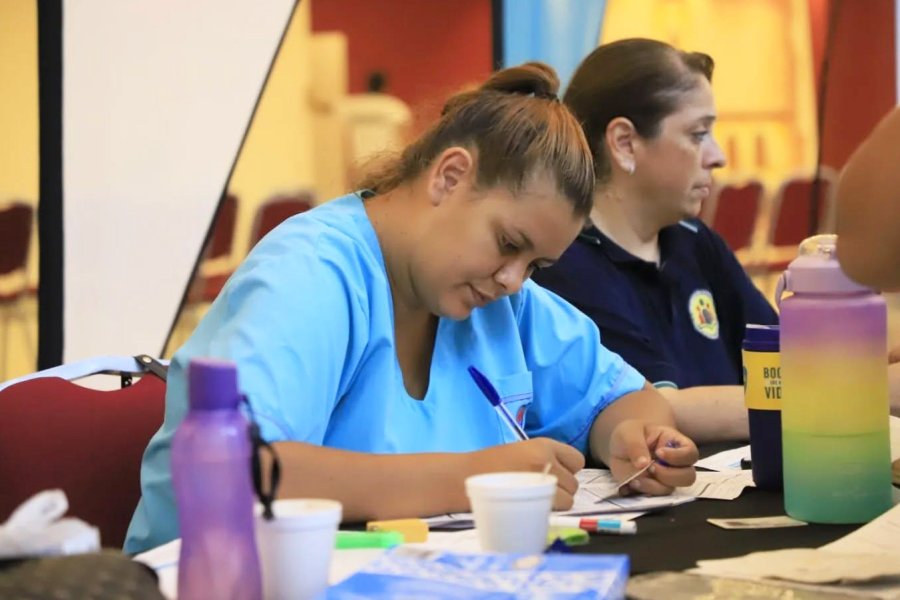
761	338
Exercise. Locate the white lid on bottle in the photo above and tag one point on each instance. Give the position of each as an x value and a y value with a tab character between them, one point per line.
817	270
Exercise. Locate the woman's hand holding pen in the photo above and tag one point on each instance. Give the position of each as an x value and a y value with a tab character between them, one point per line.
534	455
635	443
539	454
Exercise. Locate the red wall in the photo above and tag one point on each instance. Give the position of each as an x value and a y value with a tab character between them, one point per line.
428	48
862	76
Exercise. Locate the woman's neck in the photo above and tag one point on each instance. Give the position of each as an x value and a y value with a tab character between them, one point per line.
626	222
415	328
392	217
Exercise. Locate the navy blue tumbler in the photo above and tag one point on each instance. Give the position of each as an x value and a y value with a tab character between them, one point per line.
762	396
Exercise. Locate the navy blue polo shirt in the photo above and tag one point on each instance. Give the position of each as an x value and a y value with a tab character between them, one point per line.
680	323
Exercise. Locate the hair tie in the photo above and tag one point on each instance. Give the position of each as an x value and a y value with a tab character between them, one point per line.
547	96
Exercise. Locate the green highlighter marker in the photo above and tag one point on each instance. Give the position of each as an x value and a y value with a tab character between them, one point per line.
572	536
348	540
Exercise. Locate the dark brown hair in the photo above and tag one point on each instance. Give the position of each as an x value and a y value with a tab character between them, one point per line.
517	126
639	79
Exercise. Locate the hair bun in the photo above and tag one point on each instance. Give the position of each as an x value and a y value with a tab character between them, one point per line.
532	78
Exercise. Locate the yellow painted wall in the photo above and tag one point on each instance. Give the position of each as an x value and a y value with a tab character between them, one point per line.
293	142
18	101
277	154
19	159
19	167
329	75
763	81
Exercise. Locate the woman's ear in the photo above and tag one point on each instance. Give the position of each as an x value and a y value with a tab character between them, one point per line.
453	168
621	137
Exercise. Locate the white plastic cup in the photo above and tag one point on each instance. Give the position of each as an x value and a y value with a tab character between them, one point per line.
295	547
512	510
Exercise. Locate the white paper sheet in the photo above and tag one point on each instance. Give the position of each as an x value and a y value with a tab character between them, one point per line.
880	536
810	566
889	590
599	483
729	460
726	485
593	484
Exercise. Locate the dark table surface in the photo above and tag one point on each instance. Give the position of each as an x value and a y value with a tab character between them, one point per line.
676	538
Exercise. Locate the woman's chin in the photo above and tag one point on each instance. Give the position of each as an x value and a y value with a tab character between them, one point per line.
692	210
459	311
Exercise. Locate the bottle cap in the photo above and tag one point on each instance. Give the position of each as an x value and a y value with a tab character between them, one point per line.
212	384
817	270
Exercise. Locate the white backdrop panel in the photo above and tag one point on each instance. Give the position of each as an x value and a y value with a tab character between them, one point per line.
157	95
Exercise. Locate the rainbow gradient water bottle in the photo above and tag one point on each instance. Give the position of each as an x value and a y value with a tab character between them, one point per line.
834	419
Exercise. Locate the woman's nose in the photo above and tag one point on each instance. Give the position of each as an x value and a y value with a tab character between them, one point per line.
511	276
715	158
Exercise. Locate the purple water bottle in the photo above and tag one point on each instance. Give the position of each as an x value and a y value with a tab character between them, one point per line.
834	415
213	489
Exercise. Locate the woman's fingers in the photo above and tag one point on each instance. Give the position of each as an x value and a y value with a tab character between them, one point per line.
650	486
673	476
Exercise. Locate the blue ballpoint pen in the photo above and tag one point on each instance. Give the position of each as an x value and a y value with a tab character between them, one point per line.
494	398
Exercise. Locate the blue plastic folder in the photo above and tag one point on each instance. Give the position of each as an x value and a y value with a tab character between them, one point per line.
415	573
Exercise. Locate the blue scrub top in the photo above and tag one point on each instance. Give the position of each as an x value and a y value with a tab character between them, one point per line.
308	318
681	323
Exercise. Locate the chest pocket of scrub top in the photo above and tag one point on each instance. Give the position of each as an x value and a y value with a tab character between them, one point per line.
517	392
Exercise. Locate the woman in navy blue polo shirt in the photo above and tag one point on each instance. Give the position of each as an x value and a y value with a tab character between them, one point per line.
666	292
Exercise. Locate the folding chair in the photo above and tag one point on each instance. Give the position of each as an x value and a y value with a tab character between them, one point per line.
87	442
215	267
271	213
791	213
735	212
16	222
207	286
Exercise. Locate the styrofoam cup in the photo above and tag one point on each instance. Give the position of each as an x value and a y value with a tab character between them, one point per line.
512	510
295	547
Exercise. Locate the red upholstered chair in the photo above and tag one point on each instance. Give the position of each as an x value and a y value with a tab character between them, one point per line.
791	210
213	271
274	211
16	222
208	283
89	443
735	212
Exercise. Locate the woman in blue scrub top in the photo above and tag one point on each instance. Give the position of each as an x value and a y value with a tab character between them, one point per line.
353	325
666	292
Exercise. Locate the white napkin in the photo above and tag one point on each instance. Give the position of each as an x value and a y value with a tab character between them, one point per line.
37	528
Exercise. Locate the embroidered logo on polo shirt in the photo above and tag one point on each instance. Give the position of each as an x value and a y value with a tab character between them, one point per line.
703	314
520	415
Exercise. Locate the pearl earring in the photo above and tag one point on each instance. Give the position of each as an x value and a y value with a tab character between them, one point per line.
629	168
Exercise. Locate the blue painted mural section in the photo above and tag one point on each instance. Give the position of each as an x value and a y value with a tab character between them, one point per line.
557	32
